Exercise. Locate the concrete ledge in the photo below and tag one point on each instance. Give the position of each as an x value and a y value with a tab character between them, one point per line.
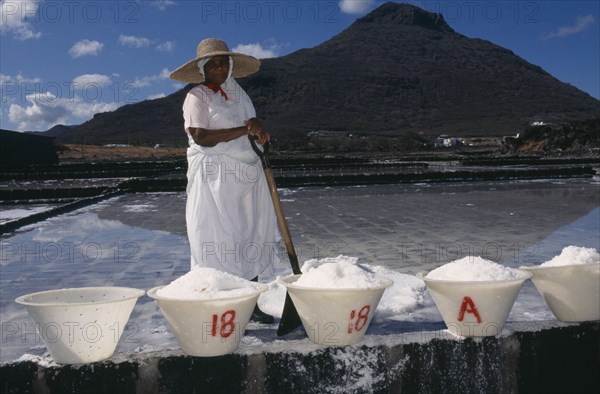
559	358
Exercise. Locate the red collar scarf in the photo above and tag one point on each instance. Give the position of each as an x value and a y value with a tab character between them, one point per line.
214	86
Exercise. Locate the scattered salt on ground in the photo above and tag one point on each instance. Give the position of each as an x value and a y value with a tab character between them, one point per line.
572	255
340	272
43	361
472	268
207	283
399	301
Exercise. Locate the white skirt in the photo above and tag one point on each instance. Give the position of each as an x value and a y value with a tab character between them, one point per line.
231	222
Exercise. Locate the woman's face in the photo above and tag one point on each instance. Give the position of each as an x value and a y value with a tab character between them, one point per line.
217	70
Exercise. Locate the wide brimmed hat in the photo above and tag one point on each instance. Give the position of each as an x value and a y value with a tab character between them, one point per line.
243	65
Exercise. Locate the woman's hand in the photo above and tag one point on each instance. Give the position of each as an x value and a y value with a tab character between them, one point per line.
254	126
263	137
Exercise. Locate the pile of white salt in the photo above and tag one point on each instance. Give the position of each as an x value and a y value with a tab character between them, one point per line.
340	272
207	284
474	269
574	255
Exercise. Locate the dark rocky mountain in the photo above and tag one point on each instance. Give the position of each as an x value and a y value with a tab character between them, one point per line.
397	70
55	131
145	123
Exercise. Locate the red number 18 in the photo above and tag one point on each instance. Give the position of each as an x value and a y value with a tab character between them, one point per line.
227	324
361	321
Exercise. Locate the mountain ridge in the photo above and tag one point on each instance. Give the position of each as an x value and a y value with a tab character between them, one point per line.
55	130
398	69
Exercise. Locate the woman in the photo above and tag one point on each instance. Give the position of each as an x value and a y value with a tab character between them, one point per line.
231	222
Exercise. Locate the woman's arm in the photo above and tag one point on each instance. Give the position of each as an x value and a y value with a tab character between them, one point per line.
210	138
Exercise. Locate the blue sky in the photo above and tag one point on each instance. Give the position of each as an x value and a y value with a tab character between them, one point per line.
63	61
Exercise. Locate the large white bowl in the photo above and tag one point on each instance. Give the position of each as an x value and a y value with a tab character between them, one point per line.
571	291
81	325
335	317
206	328
474	308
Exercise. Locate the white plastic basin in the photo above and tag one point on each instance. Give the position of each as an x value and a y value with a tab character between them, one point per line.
474	308
571	291
207	328
81	325
335	317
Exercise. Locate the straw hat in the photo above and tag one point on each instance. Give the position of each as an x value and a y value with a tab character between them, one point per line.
243	65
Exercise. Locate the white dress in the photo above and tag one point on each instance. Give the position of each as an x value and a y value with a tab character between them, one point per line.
230	218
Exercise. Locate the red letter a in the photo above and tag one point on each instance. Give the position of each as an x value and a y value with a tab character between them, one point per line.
468	306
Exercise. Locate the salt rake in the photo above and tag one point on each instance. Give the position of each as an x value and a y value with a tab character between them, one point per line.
290	320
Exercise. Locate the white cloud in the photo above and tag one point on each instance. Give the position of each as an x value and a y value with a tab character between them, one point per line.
167	46
133	41
13	18
85	48
164	73
162	4
85	110
17	79
156	96
91	79
144	82
257	50
46	110
143	42
355	6
581	23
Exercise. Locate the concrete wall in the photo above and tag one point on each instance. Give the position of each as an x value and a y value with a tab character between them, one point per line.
558	359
